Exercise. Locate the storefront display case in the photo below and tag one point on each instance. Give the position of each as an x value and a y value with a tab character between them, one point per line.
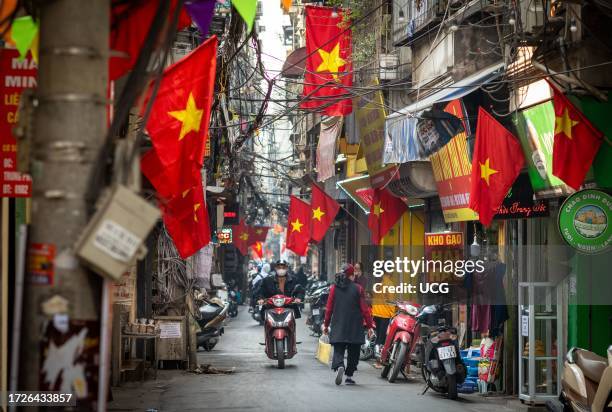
540	356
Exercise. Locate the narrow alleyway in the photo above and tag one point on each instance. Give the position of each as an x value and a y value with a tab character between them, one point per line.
305	384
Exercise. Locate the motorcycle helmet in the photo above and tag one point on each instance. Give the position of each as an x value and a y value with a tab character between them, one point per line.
281	262
280	267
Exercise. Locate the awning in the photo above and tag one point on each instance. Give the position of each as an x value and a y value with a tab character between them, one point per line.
359	190
454	91
295	64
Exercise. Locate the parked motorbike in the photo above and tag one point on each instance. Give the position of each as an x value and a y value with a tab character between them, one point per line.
316	303
256	314
314	285
586	383
442	366
280	328
212	314
233	304
402	336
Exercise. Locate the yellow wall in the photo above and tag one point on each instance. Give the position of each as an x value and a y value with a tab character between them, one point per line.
399	237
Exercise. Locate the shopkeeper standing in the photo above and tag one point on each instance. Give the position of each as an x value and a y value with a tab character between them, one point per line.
382	312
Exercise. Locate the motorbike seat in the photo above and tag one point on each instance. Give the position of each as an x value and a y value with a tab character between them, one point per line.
210	311
592	365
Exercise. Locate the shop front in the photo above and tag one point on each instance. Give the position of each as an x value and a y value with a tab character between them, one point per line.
560	303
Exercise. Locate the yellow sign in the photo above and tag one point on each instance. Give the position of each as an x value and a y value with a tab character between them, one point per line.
370	117
452	172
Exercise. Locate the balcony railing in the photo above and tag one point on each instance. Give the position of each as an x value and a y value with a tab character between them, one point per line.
422	15
429	15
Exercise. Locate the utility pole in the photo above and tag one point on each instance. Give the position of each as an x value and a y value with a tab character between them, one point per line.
69	128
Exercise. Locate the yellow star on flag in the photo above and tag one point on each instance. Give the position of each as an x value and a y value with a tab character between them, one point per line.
332	61
486	171
296	226
317	213
258	247
378	210
191	117
244	236
196	207
259	231
564	124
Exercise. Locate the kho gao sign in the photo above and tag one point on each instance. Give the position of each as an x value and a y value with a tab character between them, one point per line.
447	246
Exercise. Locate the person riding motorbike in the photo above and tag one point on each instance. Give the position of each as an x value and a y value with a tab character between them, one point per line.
280	282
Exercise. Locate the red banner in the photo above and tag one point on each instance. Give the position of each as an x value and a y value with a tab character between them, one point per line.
17	75
452	171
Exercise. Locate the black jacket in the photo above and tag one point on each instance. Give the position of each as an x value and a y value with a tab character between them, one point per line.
347	312
269	287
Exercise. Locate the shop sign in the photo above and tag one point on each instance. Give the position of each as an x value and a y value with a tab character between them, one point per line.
370	116
443	249
584	221
15	184
41	268
536	130
367	195
224	235
17	75
519	203
452	172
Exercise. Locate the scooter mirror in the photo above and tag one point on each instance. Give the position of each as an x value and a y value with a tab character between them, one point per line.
429	309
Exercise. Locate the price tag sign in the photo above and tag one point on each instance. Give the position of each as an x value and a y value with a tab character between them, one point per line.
116	241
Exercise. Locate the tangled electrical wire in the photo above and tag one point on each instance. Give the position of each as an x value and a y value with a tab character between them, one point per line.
172	276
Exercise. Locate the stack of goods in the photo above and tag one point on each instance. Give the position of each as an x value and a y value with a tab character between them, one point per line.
140	327
470	358
488	367
539	348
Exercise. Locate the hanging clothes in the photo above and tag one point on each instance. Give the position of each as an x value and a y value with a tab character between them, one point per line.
489	310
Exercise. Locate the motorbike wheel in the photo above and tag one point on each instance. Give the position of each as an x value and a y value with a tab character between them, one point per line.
209	345
384	372
280	354
452	386
398	362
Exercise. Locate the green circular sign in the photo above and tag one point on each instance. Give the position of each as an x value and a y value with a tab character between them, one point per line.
585	221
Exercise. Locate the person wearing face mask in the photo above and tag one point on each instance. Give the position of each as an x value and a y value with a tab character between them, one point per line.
280	282
360	278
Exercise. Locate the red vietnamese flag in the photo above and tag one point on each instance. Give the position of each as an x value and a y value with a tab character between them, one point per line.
241	237
172	180
385	211
576	142
186	220
323	212
257	249
298	228
178	123
329	70
497	161
130	24
258	233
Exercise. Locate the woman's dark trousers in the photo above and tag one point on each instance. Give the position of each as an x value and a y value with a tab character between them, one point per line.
352	360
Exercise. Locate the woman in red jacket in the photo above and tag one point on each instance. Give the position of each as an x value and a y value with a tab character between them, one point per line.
346	310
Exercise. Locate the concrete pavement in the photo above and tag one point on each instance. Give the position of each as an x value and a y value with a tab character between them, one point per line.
305	384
